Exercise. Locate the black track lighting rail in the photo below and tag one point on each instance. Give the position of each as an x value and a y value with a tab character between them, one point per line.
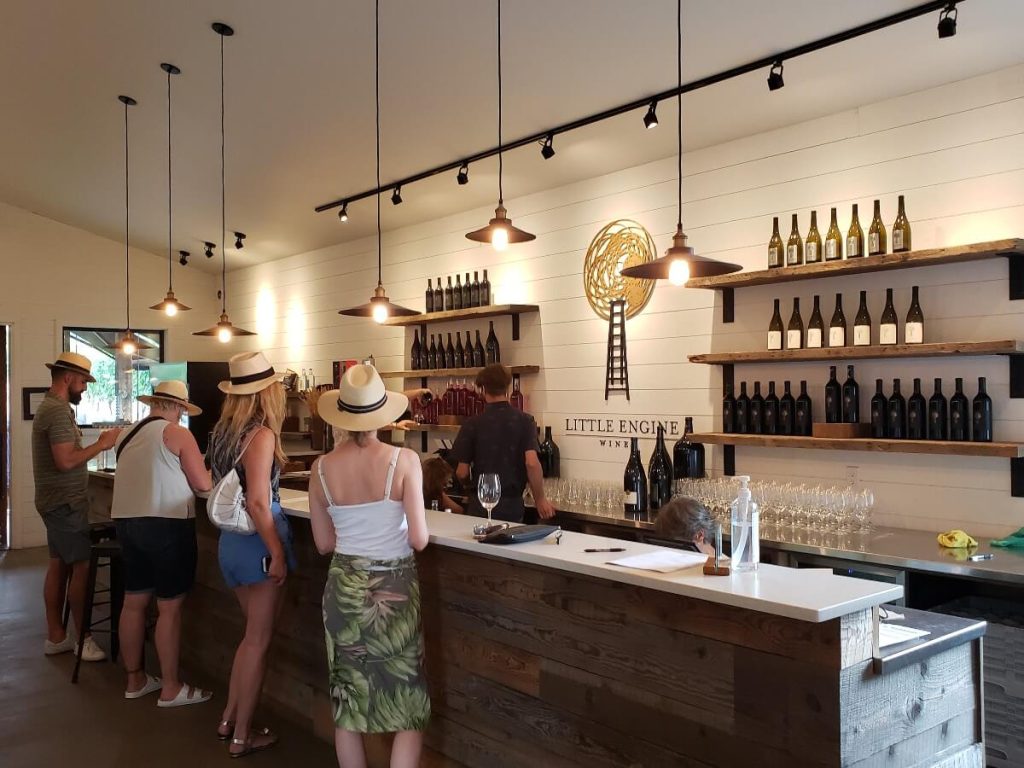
744	69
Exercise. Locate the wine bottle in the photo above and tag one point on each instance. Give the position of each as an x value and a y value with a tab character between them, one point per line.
432	355
812	248
448	292
876	232
794	247
982	413
493	348
833	398
771	411
879	411
755	414
551	463
429	296
449	354
467	293
787	411
959	414
901	231
896	414
479	356
837	326
833	240
460	353
795	329
804	412
687	455
467	353
659	474
855	237
914	330
728	411
887	327
457	293
938	414
775	247
851	398
775	329
742	411
438	297
917	414
862	323
415	356
485	291
634	483
516	399
815	327
474	291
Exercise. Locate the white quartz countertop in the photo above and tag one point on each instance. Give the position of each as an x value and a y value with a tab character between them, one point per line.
805	594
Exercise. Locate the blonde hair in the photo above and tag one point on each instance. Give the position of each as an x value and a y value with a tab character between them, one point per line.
240	412
360	438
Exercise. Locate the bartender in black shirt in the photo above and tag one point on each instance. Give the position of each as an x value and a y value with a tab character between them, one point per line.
501	440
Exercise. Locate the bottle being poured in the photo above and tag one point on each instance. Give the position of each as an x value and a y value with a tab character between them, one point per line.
746	534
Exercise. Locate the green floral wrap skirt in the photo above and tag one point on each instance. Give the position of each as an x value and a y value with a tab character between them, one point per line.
375	645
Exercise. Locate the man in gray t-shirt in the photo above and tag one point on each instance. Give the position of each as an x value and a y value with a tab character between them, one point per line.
61	480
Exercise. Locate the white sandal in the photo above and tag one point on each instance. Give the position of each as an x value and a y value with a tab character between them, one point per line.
152	684
187	695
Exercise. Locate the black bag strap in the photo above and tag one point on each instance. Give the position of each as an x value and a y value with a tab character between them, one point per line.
133	433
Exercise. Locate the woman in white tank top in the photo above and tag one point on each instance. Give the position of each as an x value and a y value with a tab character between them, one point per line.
366	506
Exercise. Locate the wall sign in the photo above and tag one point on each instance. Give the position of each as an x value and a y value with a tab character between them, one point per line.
618	245
31	399
616	432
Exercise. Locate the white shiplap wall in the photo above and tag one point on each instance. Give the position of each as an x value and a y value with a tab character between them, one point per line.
956	152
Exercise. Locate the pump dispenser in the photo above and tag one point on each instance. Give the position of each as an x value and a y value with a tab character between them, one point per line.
745	535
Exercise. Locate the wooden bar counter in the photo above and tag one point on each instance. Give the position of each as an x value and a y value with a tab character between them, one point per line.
542	655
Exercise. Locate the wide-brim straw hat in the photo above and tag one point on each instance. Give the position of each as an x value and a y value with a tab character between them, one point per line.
250	373
174	392
73	362
361	403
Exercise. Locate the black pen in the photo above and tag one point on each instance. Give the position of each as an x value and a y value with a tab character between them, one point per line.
608	549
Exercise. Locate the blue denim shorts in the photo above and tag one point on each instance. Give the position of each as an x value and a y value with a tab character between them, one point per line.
241	557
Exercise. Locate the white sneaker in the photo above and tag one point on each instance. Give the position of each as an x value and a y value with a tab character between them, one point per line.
65	645
91	651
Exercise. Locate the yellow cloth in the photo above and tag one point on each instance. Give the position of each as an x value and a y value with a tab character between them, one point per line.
956	539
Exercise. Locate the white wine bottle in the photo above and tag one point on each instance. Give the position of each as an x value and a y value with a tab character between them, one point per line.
876	232
855	237
833	240
901	231
862	323
775	248
795	329
815	327
837	326
775	329
887	327
795	246
914	330
812	248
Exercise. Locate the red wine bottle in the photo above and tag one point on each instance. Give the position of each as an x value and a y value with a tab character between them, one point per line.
634	483
833	398
896	415
688	456
659	474
771	411
959	414
742	420
728	411
429	296
982	412
804	412
416	356
851	398
755	420
787	411
917	414
493	348
516	399
879	411
938	414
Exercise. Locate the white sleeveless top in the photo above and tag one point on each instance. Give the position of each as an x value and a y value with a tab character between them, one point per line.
149	481
377	530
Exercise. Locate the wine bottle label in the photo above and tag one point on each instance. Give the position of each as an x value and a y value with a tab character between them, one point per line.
774	339
873	244
811	253
813	338
915	333
792	256
887	333
773	257
852	248
837	337
861	335
831	253
793	340
629	497
897	239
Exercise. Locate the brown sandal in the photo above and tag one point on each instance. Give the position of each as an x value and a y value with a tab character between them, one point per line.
249	748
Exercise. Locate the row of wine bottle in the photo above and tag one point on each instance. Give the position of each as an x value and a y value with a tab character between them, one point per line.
771	415
459	399
549	455
462	295
437	355
643	492
796	337
798	250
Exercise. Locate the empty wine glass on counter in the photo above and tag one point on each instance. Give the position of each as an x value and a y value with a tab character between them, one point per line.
488	491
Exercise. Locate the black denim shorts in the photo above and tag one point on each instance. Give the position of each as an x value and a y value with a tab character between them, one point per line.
159	555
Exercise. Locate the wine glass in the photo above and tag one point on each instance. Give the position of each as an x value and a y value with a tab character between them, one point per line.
488	490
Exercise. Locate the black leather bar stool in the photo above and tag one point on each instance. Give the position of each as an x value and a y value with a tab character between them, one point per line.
109	550
100	531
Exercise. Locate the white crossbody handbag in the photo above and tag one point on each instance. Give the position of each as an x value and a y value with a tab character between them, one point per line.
226	503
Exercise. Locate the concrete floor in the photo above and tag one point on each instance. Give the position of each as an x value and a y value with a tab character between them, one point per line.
46	722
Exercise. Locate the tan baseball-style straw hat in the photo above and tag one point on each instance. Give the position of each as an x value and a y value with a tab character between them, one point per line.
73	362
172	392
361	403
250	373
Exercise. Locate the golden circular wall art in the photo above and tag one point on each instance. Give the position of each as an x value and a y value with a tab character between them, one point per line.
621	244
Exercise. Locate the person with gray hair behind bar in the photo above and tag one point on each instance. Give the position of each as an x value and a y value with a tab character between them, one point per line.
687	520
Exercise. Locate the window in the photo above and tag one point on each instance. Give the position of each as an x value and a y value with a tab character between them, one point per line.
119	379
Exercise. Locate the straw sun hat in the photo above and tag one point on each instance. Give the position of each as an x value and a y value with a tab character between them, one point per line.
361	404
250	373
174	392
75	363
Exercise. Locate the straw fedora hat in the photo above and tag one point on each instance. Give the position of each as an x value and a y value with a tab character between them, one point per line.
75	363
361	404
172	392
250	373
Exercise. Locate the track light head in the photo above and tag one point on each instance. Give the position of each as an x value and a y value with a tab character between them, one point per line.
343	213
209	249
947	21
183	258
463	176
239	237
775	81
547	150
651	118
396	196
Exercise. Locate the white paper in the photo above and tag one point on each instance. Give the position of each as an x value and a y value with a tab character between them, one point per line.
891	634
663	560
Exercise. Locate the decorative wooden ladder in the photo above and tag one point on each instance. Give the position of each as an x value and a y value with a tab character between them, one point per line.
616	374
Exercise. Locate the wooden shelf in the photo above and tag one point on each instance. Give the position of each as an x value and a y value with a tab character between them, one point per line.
1013	247
473	313
452	428
944	349
443	373
934	447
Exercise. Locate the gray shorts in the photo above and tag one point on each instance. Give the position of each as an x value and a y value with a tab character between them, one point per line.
67	533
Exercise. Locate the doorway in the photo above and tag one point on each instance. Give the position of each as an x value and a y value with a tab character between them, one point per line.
5	438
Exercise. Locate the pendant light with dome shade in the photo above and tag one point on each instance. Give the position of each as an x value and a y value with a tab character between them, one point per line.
680	262
223	330
499	231
379	307
129	343
171	306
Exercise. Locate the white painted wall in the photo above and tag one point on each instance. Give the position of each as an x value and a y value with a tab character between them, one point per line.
956	152
53	275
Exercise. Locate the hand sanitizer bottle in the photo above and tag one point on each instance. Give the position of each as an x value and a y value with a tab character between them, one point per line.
746	533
